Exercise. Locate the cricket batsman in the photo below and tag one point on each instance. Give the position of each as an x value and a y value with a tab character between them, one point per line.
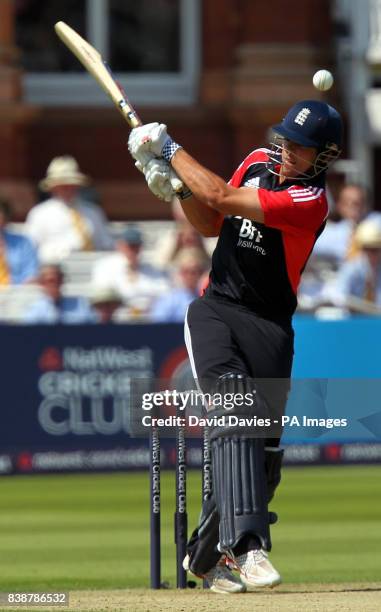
268	218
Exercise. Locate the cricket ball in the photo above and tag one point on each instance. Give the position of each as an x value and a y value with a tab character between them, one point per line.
323	80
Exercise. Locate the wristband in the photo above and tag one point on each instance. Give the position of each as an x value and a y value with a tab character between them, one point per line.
170	149
184	194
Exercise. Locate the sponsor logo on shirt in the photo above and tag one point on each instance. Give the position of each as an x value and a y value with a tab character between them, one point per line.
250	237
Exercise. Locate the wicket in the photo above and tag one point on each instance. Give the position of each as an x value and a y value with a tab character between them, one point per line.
206	473
155	530
180	516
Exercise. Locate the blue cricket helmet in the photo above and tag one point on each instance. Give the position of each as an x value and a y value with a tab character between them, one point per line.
312	123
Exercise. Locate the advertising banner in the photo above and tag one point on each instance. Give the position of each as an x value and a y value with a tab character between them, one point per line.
66	392
67	395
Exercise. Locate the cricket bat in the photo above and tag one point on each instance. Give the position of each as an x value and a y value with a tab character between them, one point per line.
92	61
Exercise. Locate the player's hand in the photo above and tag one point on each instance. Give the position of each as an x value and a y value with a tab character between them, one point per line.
147	141
161	179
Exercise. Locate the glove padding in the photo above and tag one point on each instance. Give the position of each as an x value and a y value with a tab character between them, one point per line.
147	141
161	179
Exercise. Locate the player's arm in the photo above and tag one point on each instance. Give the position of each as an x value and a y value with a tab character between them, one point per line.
299	210
204	219
212	191
215	197
164	183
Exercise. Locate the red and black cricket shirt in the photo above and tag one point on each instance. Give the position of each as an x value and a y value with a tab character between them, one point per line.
259	264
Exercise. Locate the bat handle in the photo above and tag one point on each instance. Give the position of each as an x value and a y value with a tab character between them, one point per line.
134	120
130	114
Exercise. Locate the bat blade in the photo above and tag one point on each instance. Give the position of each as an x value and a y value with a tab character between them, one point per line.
92	61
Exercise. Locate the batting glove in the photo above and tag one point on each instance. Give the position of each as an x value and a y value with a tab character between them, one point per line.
163	181
152	140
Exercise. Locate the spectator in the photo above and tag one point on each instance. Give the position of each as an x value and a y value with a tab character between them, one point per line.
171	307
106	304
65	223
139	284
361	276
18	256
53	307
181	235
336	242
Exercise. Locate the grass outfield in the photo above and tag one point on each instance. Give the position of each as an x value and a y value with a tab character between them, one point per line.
92	531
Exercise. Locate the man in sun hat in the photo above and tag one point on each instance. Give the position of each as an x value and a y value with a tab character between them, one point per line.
105	302
360	277
65	223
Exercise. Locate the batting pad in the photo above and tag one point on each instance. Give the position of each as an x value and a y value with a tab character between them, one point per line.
240	488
